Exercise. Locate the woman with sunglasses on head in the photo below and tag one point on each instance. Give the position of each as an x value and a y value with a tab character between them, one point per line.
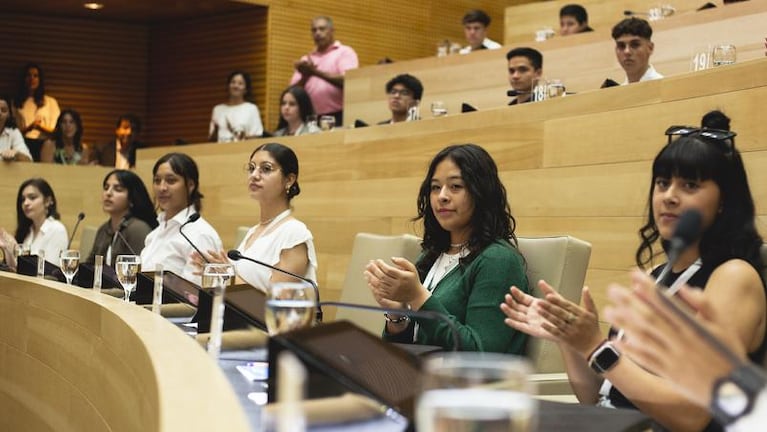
38	226
131	217
279	239
469	257
700	170
176	184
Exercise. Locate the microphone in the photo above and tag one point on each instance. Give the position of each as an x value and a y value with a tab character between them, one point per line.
686	233
512	93
192	219
631	13
119	234
235	255
80	217
407	312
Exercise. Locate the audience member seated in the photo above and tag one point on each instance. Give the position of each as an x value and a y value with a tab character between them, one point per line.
469	254
131	217
65	146
725	383
38	227
12	146
279	238
121	153
700	171
38	110
176	184
405	92
475	24
238	118
525	69
295	109
321	72
633	48
573	19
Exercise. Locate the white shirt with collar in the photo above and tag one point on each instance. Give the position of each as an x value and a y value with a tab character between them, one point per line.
487	43
649	75
165	245
52	239
11	139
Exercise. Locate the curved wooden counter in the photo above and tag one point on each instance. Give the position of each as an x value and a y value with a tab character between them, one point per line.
73	360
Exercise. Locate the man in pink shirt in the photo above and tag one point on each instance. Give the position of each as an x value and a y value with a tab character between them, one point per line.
321	72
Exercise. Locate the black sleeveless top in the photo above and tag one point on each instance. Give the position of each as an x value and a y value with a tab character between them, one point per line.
698	280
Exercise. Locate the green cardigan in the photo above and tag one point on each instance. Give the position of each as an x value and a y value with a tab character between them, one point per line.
470	296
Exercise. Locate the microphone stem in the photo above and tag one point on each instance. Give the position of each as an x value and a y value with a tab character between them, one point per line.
409	313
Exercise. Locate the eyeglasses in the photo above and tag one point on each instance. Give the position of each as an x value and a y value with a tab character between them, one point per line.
265	169
724	136
400	92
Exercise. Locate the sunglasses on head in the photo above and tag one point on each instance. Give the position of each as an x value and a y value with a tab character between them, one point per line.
725	136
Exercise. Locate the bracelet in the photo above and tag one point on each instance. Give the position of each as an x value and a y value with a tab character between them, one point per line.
403	318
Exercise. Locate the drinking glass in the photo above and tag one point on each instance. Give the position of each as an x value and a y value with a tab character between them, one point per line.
723	55
556	88
127	268
327	123
438	109
311	120
68	262
289	306
467	391
216	277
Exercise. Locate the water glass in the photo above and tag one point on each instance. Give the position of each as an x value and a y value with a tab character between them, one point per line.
556	88
289	306
69	260
127	268
311	120
215	278
723	55
327	123
465	391
438	109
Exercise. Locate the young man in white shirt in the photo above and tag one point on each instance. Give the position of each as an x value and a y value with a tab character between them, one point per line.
475	24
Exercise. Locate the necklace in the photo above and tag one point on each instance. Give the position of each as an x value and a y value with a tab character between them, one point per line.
267	222
458	245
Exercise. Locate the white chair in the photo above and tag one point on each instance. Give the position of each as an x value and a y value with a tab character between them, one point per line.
355	290
562	262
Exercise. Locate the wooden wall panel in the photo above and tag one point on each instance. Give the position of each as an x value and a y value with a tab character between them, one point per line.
189	63
98	68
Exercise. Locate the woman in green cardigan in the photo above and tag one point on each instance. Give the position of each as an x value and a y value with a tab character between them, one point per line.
469	259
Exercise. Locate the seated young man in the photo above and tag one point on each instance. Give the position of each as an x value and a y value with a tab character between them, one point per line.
404	92
633	48
525	69
475	24
573	19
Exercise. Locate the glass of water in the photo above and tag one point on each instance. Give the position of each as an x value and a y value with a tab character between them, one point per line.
467	391
723	55
127	268
438	109
327	123
289	306
69	260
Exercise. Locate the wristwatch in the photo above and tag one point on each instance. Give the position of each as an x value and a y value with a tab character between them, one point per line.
604	357
734	395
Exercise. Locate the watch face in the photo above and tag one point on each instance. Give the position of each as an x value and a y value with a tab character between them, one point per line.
731	398
606	357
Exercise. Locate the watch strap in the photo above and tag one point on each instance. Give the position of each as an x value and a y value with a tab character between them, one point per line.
749	379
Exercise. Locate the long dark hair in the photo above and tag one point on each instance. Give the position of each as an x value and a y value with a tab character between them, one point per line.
58	133
23	91
246	78
733	233
288	161
182	164
140	205
24	224
491	220
10	123
305	107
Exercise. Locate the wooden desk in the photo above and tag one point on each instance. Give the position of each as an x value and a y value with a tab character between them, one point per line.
73	360
582	62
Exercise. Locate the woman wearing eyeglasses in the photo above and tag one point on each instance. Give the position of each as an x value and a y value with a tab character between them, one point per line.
700	170
278	239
